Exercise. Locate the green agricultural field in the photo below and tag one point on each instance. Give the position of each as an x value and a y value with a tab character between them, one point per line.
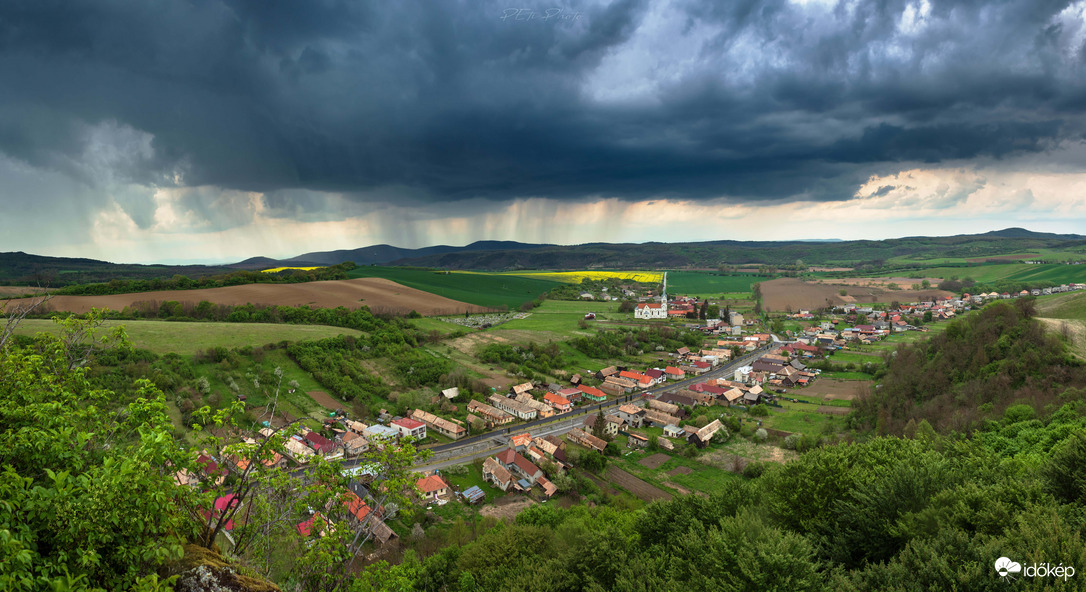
1013	272
483	289
1063	306
562	317
801	418
710	283
187	338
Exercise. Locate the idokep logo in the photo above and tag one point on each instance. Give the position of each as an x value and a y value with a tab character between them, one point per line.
1008	569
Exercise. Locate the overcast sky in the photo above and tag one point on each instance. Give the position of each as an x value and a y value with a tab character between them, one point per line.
218	130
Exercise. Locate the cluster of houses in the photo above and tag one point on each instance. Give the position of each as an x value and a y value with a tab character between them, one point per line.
212	472
517	467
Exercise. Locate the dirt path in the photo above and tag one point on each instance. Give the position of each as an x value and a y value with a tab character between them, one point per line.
639	487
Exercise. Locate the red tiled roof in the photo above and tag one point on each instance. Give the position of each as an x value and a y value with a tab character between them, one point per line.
558	400
595	392
506	456
408	423
649	305
525	465
356	506
431	484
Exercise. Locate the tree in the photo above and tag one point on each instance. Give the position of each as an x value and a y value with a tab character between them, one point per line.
85	499
599	427
704	311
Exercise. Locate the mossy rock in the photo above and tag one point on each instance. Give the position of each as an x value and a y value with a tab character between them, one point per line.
205	570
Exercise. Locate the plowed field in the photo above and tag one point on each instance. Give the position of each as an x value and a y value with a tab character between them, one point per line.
781	294
381	295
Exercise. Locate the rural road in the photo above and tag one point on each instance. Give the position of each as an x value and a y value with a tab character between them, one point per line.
483	445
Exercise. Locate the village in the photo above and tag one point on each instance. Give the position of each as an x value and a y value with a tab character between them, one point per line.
640	408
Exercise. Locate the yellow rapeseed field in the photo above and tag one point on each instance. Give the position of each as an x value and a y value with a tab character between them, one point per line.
277	269
575	277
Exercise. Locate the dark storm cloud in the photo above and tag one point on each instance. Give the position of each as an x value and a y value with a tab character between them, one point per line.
455	100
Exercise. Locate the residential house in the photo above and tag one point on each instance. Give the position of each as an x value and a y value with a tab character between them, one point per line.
522	388
495	473
657	375
409	427
558	402
440	425
611	424
572	394
636	441
702	437
321	445
579	436
513	407
432	487
549	489
633	415
451	393
296	450
660	418
608	371
640	380
676	399
674	373
379	432
541	408
354	444
593	394
668	408
520	442
211	469
492	415
673	431
476	422
616	385
518	465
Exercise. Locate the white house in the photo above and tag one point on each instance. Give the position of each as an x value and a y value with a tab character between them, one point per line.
650	310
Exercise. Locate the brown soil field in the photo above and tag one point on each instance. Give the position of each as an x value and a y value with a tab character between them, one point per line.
640	488
880	282
507	507
654	461
680	471
381	295
827	388
828	410
830	269
781	294
325	400
19	290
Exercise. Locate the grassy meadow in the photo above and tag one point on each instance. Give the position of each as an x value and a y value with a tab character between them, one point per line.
183	338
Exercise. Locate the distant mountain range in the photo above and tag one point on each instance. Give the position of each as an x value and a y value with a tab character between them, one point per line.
20	268
505	255
380	254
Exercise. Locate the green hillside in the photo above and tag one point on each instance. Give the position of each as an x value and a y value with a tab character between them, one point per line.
1013	272
480	289
1063	306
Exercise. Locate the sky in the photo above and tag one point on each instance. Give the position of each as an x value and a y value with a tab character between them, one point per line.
216	130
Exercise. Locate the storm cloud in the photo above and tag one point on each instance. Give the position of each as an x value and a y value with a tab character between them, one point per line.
372	103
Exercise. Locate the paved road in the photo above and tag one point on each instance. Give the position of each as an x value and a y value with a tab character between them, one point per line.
469	446
483	445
